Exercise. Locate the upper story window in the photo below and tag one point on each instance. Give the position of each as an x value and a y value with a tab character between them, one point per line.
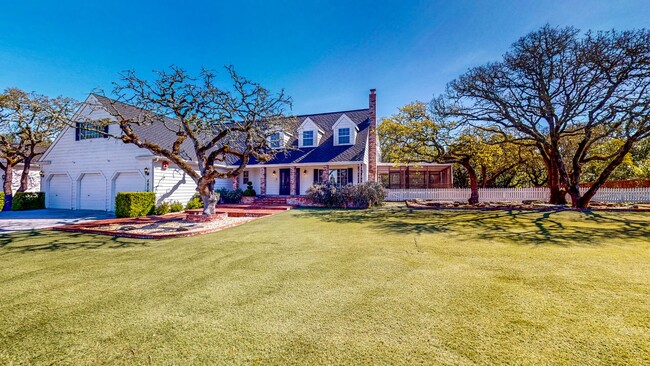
89	130
274	140
344	136
308	138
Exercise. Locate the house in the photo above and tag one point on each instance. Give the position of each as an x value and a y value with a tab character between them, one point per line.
33	180
84	169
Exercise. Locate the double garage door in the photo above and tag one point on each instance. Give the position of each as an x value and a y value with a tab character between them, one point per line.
92	191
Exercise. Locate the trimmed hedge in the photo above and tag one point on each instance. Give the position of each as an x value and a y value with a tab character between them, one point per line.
2	200
134	204
23	201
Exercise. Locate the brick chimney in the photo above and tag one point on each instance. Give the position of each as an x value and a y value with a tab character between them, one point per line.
372	138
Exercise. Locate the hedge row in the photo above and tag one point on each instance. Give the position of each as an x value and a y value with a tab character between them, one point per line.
135	204
28	201
2	200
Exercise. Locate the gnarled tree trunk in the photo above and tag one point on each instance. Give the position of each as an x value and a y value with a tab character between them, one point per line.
6	186
473	182
208	196
24	176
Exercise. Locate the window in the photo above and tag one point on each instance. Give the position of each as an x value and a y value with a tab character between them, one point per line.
308	138
338	177
344	136
274	140
89	130
245	177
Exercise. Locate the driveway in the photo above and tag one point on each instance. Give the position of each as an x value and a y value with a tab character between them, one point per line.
12	221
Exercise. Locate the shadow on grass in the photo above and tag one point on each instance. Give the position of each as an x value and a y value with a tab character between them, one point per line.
564	228
47	241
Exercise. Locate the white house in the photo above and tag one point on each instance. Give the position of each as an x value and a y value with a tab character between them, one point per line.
84	169
33	180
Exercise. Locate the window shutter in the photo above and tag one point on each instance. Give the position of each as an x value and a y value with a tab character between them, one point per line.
106	131
350	180
316	176
76	132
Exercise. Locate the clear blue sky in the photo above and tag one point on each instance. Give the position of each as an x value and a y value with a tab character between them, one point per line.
326	54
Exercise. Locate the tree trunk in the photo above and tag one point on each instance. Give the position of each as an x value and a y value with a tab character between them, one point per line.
9	175
473	182
24	176
558	193
208	196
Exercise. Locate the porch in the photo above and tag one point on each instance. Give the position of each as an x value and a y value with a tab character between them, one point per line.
415	176
294	180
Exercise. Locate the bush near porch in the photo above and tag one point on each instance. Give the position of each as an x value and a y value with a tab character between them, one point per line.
135	204
364	195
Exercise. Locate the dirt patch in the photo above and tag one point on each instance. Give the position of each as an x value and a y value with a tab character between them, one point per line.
525	205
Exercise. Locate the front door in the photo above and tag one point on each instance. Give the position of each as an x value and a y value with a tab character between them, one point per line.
285	182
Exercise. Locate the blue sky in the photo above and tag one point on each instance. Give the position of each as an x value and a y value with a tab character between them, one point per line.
325	54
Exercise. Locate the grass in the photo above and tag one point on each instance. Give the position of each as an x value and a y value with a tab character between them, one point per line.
387	286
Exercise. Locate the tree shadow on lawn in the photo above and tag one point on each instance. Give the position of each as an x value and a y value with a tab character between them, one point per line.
558	227
48	241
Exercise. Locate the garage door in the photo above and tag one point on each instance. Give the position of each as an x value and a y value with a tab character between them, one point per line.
92	192
59	192
127	182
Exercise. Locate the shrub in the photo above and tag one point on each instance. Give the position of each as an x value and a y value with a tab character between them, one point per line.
163	209
249	191
176	206
134	204
2	200
28	201
230	196
326	194
365	195
194	203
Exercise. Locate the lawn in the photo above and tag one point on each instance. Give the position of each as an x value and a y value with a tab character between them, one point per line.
386	286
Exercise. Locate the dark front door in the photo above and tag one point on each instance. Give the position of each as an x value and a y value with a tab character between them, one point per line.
285	182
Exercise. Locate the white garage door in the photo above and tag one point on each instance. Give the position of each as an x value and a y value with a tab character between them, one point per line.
92	192
59	192
127	182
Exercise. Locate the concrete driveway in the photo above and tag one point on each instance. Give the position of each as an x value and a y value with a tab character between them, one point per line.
13	221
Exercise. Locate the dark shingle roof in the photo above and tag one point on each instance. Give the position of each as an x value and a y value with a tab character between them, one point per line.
326	152
323	153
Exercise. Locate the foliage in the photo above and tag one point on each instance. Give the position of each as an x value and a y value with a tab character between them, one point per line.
134	204
230	195
2	200
28	123
364	195
249	191
194	203
233	122
28	201
326	194
163	209
176	206
582	101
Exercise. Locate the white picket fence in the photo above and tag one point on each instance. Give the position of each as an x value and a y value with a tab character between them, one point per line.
514	194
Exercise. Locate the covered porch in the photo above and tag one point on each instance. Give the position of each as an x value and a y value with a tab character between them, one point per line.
294	180
415	176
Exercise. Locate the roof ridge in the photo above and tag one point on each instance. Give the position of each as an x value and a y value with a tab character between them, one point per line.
320	114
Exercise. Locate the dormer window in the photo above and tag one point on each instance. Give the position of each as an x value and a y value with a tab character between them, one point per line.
344	136
274	140
307	138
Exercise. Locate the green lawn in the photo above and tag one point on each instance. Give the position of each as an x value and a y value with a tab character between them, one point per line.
387	286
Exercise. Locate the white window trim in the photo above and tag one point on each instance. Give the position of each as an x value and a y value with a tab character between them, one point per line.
309	125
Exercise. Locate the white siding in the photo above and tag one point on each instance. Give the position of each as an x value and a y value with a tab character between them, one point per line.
272	181
254	176
173	184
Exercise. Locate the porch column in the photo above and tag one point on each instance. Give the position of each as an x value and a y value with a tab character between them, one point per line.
235	183
326	174
360	173
292	180
263	181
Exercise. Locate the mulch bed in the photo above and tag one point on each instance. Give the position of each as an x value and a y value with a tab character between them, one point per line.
521	206
171	225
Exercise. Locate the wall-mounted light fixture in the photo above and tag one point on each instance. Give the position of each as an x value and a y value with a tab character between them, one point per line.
41	173
304	172
165	165
146	171
273	173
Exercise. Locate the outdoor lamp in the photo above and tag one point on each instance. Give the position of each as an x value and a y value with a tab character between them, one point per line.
304	171
273	173
41	173
146	171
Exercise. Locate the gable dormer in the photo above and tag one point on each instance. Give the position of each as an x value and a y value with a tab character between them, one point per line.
279	139
309	134
345	131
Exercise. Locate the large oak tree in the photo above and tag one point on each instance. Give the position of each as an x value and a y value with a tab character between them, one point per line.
222	124
29	122
556	85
